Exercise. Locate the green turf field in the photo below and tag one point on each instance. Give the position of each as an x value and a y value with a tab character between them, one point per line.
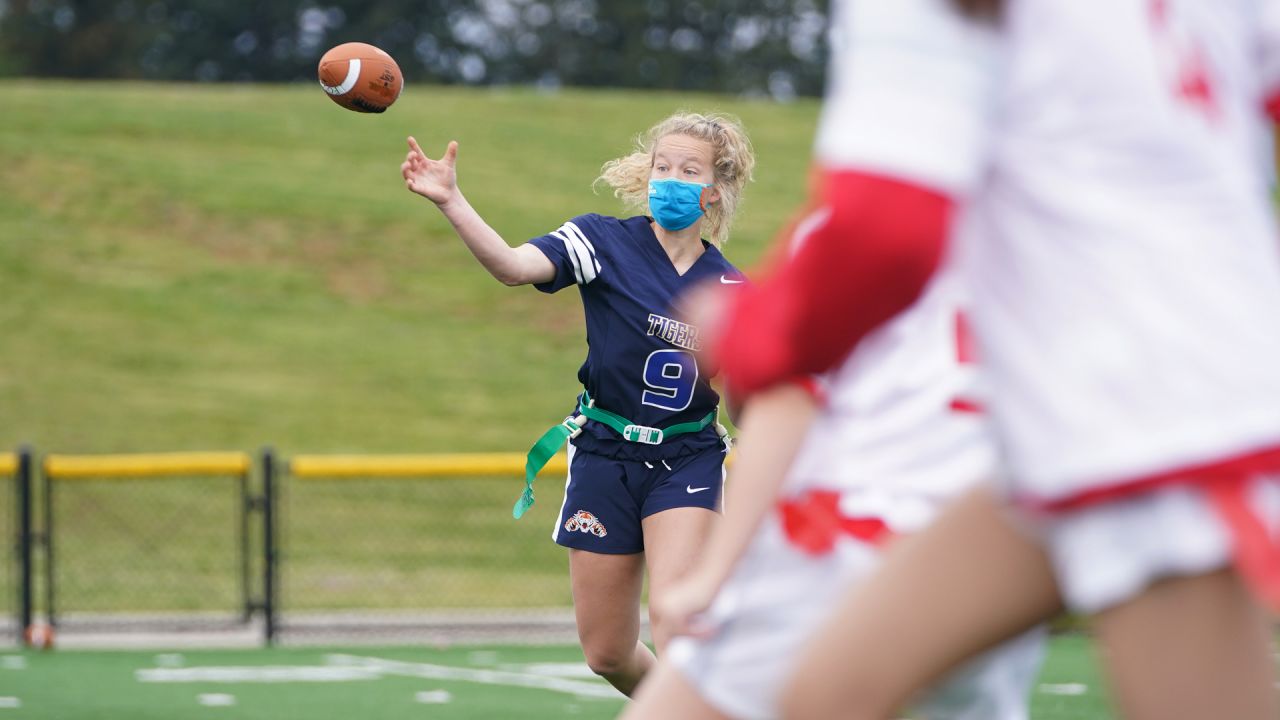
536	683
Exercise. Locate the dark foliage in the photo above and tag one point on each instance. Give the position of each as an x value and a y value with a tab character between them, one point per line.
773	47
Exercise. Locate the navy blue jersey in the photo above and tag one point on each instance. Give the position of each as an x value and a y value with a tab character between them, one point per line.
640	362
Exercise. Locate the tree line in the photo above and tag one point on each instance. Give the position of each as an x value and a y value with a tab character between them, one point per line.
750	47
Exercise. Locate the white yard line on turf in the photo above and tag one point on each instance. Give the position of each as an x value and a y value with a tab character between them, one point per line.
250	674
433	697
580	688
348	668
216	699
1064	688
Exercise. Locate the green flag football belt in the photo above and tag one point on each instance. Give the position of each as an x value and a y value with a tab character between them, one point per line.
555	438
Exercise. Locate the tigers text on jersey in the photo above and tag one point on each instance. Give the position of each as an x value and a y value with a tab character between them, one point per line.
640	361
1115	231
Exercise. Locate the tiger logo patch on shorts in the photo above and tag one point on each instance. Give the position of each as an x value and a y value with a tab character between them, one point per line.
583	521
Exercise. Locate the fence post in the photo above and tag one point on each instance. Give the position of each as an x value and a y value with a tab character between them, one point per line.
269	549
247	506
25	541
46	540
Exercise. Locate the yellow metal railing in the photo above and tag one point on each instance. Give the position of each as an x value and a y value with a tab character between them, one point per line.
179	464
416	466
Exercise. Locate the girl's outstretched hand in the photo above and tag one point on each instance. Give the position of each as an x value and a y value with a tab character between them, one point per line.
435	180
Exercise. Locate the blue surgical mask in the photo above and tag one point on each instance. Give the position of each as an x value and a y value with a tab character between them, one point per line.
676	204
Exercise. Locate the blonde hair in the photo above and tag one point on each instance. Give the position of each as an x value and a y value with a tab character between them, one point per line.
732	157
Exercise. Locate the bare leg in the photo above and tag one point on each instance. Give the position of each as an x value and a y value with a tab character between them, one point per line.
606	604
967	583
1195	647
667	694
672	541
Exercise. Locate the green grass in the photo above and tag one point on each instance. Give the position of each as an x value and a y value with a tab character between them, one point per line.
190	267
83	685
223	267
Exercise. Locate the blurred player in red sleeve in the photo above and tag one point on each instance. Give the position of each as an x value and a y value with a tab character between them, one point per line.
1093	167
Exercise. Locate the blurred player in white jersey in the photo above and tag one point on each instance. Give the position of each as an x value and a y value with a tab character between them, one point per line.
879	446
1113	222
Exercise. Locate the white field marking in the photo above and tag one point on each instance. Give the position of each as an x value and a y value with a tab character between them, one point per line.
267	674
216	699
353	74
562	670
13	662
433	697
487	677
169	660
1064	688
10	702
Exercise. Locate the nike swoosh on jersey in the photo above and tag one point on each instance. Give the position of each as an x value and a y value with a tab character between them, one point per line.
727	281
691	489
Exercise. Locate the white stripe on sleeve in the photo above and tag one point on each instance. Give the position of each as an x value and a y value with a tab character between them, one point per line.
574	229
580	252
573	255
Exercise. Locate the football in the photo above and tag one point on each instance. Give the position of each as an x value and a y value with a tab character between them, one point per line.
360	77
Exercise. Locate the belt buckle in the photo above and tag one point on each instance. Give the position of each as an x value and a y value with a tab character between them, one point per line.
643	434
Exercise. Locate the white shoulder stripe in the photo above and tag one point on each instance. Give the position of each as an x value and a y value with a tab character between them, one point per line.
575	233
575	230
573	255
581	251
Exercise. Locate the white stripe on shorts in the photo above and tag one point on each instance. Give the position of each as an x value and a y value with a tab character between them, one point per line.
555	531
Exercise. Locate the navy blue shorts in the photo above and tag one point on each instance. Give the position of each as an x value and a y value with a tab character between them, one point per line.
605	499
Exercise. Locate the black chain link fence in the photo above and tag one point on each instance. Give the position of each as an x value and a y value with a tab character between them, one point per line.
428	557
154	543
379	549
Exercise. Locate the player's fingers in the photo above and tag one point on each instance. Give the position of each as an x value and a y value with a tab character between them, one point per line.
451	153
415	148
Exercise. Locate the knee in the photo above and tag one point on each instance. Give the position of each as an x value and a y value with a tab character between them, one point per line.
607	661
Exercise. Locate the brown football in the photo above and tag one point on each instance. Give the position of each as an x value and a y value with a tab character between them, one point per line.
360	77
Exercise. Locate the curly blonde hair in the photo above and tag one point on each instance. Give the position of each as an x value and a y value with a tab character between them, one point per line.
733	158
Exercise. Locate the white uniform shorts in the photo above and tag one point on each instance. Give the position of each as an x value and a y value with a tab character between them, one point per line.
775	600
1107	553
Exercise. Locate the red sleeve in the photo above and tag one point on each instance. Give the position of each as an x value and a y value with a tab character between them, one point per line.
1273	107
870	259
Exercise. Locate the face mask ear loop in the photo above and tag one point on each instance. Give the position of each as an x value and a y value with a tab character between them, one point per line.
702	197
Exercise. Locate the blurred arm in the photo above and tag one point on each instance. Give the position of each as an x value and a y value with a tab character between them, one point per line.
774	425
870	258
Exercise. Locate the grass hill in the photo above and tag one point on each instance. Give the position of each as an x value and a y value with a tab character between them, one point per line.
221	267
